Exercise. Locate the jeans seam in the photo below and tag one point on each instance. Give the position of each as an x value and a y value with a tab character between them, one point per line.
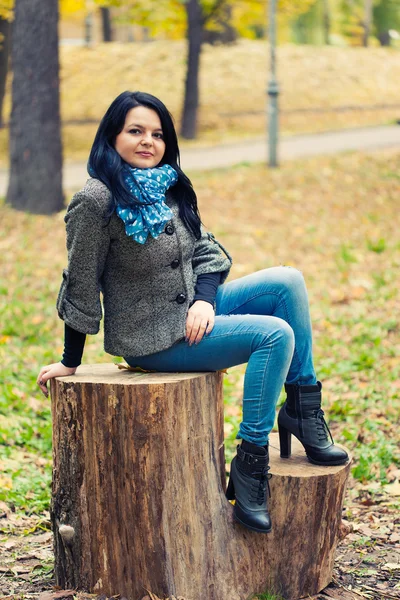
295	345
262	390
263	378
250	299
215	337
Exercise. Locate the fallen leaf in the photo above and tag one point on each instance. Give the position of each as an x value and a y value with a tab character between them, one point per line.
4	509
338	594
135	369
393	488
344	529
43	537
19	570
391	566
363	529
58	595
5	482
4	569
382	586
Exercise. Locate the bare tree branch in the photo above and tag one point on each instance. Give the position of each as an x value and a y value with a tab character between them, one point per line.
207	16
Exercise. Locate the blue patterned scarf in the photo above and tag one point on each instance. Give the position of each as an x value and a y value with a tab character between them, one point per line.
147	186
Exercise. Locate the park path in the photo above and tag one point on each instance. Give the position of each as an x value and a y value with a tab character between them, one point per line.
255	150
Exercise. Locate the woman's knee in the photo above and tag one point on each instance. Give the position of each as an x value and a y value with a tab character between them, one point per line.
291	276
281	335
291	283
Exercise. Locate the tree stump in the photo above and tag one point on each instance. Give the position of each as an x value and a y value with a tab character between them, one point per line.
138	499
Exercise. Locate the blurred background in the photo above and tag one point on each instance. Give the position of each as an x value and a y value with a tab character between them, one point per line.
334	217
337	65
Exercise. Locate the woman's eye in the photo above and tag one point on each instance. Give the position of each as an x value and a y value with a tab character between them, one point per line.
159	136
134	131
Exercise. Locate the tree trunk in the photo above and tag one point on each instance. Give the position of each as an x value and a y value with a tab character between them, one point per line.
326	22
5	31
367	22
191	99
35	142
384	38
106	23
88	30
138	499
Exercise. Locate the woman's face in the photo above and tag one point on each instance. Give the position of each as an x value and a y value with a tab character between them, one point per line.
141	142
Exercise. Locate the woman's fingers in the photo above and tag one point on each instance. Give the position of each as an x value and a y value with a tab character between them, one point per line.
192	328
41	381
200	319
197	331
210	327
54	370
199	327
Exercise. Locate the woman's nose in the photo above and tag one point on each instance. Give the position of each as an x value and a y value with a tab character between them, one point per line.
147	139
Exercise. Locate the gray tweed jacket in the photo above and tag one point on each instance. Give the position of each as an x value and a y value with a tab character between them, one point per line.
147	289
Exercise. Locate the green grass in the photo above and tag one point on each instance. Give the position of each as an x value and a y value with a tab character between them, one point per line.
267	596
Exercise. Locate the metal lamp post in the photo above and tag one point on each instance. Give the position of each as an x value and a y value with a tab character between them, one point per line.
273	90
89	5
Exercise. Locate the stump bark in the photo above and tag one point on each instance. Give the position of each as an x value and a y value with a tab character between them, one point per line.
138	499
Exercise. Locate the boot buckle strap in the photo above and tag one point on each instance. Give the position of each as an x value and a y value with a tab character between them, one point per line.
312	397
245	457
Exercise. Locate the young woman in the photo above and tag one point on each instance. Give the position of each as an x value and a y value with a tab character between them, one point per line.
134	233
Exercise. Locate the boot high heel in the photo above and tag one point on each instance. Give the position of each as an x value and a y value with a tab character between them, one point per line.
302	416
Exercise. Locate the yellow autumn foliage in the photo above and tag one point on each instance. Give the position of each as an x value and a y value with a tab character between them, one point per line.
6	9
67	7
70	7
167	18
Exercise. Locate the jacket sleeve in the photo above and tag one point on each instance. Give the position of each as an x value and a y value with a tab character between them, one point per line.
88	241
210	256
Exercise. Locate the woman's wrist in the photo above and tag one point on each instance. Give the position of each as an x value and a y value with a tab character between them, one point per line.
74	343
69	366
206	287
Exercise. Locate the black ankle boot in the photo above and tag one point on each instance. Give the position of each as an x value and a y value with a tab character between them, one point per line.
301	415
248	484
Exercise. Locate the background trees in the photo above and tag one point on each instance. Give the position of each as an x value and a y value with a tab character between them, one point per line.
386	16
35	146
35	140
6	15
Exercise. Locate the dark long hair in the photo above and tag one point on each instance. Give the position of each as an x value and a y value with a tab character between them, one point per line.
107	165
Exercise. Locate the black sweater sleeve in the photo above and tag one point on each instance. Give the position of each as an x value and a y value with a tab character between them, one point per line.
74	342
206	287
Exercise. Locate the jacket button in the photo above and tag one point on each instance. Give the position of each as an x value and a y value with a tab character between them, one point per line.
180	298
175	263
169	230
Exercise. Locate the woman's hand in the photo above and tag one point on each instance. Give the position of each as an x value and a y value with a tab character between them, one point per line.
200	320
54	370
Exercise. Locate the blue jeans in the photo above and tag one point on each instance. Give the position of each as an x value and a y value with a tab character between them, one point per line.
263	320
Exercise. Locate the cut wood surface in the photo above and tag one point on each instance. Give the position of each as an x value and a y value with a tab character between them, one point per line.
139	503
